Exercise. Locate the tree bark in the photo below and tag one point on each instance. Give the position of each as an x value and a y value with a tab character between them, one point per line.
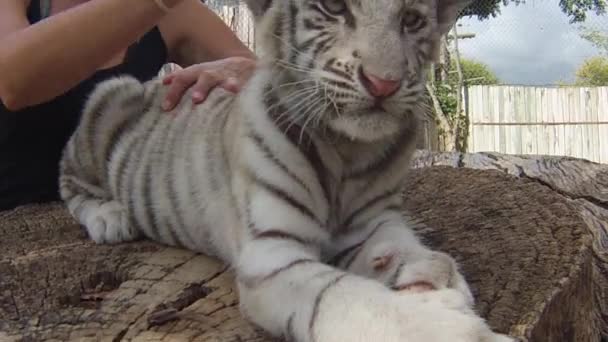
447	138
529	232
558	289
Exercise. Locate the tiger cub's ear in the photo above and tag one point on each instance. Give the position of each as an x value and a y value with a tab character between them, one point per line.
448	12
258	7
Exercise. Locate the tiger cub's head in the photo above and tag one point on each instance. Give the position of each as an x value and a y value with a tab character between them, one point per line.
355	67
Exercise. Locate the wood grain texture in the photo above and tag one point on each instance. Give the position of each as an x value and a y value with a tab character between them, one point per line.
530	234
583	185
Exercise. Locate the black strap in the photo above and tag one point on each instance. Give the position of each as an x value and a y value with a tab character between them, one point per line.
32	139
33	12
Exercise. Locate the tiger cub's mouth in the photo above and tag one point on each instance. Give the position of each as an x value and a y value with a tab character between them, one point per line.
377	106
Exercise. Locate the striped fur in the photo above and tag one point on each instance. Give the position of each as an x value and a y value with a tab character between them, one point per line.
295	182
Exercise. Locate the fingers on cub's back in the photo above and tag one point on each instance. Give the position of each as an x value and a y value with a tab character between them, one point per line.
204	84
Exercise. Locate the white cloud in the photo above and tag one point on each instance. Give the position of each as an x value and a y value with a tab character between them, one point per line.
532	43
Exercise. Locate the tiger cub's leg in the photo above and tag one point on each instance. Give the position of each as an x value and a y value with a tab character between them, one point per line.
111	106
285	289
105	219
389	251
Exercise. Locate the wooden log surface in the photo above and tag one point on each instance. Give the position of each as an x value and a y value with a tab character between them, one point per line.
529	232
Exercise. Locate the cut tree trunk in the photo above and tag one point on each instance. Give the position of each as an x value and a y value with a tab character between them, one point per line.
529	232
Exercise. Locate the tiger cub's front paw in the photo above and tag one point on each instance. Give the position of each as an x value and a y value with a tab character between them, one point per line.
108	223
433	316
413	272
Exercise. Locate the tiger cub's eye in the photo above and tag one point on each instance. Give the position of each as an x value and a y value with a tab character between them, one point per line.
413	20
336	7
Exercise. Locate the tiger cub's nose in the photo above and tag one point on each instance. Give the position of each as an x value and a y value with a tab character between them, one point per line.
377	86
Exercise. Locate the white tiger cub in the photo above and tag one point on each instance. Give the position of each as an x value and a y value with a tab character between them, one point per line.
296	182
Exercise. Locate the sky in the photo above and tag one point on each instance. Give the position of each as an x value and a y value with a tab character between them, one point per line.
531	44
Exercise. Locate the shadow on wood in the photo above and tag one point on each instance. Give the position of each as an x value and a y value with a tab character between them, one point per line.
530	234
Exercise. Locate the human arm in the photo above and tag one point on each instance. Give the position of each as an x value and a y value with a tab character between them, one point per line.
204	38
200	35
41	61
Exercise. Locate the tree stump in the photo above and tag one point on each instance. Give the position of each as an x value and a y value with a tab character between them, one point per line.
529	232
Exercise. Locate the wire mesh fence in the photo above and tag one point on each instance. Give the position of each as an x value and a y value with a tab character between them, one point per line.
506	43
237	16
547	62
536	42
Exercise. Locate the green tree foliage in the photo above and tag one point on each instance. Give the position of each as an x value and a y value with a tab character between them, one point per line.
598	38
593	72
473	73
576	10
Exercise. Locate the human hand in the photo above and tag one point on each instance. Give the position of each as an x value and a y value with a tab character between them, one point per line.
230	73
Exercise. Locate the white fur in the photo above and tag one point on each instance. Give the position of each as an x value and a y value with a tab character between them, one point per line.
360	313
276	211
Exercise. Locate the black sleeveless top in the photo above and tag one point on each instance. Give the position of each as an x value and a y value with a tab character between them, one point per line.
32	139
